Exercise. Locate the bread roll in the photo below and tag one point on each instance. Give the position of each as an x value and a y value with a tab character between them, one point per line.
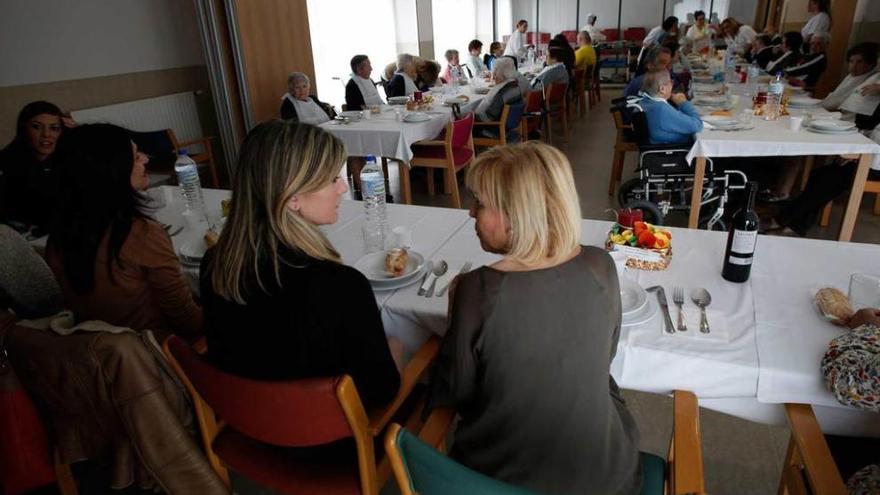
395	262
211	238
833	302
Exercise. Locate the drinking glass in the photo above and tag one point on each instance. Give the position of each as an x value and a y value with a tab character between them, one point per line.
864	290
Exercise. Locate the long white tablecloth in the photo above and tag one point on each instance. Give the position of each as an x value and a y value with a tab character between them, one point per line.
383	136
774	338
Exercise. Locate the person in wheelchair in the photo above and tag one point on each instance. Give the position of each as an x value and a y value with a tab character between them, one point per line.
667	124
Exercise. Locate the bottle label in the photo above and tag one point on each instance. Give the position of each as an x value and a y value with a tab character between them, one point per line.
744	242
733	260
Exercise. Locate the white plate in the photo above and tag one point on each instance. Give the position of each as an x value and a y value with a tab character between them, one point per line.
832	125
373	267
352	114
416	117
398	100
192	251
826	131
644	315
632	297
720	120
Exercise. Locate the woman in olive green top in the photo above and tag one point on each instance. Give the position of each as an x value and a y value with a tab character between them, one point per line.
526	359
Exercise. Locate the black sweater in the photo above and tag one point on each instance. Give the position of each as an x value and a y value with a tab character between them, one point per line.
322	321
28	187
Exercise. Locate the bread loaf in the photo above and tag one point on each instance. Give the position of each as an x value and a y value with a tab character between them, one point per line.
833	302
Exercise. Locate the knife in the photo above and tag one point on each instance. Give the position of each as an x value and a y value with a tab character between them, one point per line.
464	269
429	270
661	299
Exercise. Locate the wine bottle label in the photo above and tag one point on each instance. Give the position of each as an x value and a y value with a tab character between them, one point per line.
733	260
744	241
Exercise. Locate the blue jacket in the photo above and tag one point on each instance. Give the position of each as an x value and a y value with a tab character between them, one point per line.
635	84
668	125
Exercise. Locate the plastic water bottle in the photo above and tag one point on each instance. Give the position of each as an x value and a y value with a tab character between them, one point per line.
754	73
373	192
190	188
730	67
531	56
774	98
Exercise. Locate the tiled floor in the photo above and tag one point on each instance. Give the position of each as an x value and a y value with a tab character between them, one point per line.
740	457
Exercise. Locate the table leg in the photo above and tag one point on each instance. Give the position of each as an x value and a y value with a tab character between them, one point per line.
405	193
855	198
697	193
808	167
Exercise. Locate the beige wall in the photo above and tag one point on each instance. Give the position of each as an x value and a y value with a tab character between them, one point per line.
107	90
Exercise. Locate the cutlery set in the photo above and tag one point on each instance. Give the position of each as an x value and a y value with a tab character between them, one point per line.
700	297
433	273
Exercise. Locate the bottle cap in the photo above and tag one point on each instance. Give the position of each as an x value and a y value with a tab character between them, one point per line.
371	158
181	152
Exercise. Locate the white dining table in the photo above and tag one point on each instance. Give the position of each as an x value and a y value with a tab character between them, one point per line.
768	338
774	138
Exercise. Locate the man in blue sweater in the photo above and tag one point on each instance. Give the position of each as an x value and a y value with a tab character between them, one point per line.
668	124
658	57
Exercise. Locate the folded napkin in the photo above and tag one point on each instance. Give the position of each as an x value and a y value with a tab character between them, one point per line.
717	325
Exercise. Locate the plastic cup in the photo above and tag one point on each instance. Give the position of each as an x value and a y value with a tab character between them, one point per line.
794	123
402	236
864	291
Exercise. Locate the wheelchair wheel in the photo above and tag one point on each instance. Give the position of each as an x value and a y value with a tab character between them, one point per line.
650	212
718	226
631	190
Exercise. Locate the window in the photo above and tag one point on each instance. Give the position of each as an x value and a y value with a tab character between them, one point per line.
457	22
378	29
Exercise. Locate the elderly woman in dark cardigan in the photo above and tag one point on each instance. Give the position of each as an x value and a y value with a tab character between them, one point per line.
300	106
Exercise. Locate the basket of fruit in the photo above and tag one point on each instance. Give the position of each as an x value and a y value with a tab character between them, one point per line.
646	246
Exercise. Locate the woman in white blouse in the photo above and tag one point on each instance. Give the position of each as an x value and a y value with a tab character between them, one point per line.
820	22
298	105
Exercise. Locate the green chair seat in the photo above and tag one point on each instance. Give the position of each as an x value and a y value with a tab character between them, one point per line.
653	474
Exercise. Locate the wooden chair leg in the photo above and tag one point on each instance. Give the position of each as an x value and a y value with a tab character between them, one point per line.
448	180
456	198
616	171
826	215
430	181
65	480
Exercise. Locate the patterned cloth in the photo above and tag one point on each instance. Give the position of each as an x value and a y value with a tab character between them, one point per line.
866	481
851	367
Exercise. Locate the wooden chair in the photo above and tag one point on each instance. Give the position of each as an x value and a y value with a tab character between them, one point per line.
871	186
243	421
593	88
809	467
623	142
579	99
452	154
533	115
419	467
556	107
163	146
507	127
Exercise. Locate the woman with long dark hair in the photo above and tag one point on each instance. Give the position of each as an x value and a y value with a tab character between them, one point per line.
28	183
113	262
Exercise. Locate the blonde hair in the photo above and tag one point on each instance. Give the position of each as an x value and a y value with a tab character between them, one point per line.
277	160
532	185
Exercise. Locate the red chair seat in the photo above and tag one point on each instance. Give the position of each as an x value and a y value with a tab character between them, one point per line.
460	156
289	470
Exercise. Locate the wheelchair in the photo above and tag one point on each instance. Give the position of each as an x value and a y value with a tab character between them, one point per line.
665	178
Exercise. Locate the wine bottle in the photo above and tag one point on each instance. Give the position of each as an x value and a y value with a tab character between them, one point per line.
741	240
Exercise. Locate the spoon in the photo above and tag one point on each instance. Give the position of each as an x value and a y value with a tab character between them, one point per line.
702	299
439	271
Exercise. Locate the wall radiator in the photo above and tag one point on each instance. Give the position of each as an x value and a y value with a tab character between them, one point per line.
176	111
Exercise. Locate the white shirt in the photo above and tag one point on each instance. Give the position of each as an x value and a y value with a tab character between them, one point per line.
875	136
653	36
863	105
819	23
516	44
596	35
409	86
745	36
694	33
368	90
845	89
308	112
475	63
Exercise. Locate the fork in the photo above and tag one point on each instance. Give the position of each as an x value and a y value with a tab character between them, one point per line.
678	299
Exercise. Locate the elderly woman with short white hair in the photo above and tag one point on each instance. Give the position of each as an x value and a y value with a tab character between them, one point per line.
505	92
298	105
403	82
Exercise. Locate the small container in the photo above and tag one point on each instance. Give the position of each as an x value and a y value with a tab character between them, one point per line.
417	96
794	123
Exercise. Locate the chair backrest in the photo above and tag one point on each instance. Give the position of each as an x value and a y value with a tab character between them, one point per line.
461	131
555	93
303	412
579	75
514	116
634	34
534	100
610	34
418	468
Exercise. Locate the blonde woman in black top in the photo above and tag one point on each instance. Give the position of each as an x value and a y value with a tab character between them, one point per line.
278	302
